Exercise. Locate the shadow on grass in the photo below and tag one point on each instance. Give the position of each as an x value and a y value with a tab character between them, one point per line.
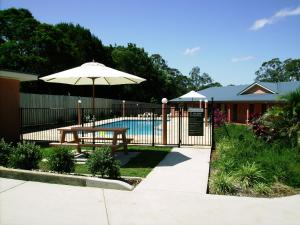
139	166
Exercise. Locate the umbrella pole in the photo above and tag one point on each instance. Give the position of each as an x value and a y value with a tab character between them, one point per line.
93	103
94	117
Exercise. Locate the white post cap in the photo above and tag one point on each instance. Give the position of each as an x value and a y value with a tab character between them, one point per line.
164	101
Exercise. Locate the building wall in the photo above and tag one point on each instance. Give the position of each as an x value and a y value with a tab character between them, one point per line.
9	109
228	110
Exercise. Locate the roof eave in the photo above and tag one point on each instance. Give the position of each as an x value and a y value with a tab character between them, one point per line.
252	85
17	76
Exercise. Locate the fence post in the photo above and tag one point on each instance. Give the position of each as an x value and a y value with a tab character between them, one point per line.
164	102
123	107
21	124
213	144
79	111
153	124
206	111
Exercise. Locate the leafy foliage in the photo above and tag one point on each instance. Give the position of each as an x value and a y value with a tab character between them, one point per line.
200	81
25	156
253	163
277	71
30	46
262	189
223	183
280	122
249	174
5	149
61	160
102	162
219	118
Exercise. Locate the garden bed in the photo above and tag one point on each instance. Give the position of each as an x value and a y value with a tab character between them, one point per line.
139	166
57	163
246	165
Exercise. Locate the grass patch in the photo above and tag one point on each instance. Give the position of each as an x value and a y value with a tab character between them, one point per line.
139	166
255	167
142	164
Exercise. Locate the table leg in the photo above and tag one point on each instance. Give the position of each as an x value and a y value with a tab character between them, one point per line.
114	142
124	142
62	136
76	140
75	137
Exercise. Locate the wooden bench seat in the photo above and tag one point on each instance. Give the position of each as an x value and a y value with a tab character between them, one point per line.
77	141
128	140
79	145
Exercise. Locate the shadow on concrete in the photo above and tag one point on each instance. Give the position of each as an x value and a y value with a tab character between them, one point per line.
146	159
174	158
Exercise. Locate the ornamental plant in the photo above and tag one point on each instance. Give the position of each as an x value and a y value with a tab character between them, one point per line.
61	160
219	118
103	162
25	155
5	149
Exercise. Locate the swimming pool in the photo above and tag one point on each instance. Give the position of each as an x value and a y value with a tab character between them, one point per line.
137	127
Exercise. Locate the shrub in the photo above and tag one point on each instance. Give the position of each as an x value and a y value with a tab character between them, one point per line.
61	160
102	162
249	175
262	189
5	149
223	183
219	118
25	156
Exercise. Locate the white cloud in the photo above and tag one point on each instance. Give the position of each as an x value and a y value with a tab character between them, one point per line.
258	24
191	51
242	59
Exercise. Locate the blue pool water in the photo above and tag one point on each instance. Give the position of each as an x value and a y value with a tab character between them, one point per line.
137	127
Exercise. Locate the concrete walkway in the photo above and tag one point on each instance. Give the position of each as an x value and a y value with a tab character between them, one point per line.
183	169
168	196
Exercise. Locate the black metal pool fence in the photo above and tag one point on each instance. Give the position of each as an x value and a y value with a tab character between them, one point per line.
145	123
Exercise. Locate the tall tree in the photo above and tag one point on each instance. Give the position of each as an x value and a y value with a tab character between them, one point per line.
26	45
200	81
195	77
292	69
277	71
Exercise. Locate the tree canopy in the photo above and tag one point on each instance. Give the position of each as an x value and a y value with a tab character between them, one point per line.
27	45
278	71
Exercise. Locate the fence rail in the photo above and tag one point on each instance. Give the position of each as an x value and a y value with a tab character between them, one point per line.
145	124
61	101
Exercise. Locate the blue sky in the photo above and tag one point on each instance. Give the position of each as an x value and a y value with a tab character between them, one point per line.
227	39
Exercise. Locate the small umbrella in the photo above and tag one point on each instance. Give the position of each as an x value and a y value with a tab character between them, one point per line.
192	95
93	73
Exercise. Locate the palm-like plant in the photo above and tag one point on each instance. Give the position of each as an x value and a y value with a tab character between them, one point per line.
292	109
281	122
292	100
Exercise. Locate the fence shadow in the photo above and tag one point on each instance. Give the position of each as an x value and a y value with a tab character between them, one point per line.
173	158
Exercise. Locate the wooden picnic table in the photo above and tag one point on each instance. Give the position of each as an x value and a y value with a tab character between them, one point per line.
81	141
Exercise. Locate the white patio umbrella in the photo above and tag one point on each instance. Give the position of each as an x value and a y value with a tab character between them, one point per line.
93	73
193	95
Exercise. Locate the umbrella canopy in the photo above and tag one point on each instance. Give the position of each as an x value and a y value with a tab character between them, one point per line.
193	94
93	73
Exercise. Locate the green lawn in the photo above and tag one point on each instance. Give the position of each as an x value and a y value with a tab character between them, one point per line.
140	166
246	165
